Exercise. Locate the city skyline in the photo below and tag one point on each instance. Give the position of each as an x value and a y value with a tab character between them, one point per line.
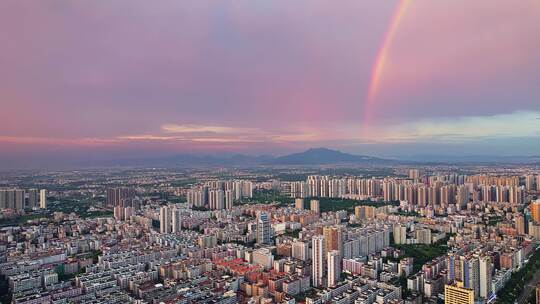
261	152
392	79
397	235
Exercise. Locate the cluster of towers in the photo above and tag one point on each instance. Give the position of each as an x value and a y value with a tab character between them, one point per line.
532	183
324	186
121	196
123	201
217	195
417	189
170	220
20	199
471	271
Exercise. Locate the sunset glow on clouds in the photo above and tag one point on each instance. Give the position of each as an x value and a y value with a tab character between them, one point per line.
145	78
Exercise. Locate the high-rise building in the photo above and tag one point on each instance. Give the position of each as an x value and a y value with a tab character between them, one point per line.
300	250
457	294
119	213
400	234
119	196
7	199
520	224
247	189
11	199
263	257
315	205
487	193
207	241
447	194
314	185
516	195
299	203
176	220
263	228
197	197
128	212
535	211
299	189
364	212
451	262
501	194
241	188
3	199
334	267
388	191
19	199
333	239
43	199
414	173
529	183
423	236
462	196
164	220
33	198
422	197
229	199
113	196
216	199
486	269
359	212
470	273
318	261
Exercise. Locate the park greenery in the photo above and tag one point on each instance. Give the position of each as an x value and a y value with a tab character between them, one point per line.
422	253
301	297
335	204
81	207
326	203
519	279
270	196
292	233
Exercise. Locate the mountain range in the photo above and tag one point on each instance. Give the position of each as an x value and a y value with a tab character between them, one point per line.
322	156
316	156
310	157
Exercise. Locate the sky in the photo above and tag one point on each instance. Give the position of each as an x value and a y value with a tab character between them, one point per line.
109	79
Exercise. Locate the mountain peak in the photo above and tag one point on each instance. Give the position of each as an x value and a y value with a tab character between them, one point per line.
321	149
319	156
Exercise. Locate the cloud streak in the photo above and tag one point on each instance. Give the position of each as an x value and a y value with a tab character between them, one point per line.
449	129
460	129
465	128
175	128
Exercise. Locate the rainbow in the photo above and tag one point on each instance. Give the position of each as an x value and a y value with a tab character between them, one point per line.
381	59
